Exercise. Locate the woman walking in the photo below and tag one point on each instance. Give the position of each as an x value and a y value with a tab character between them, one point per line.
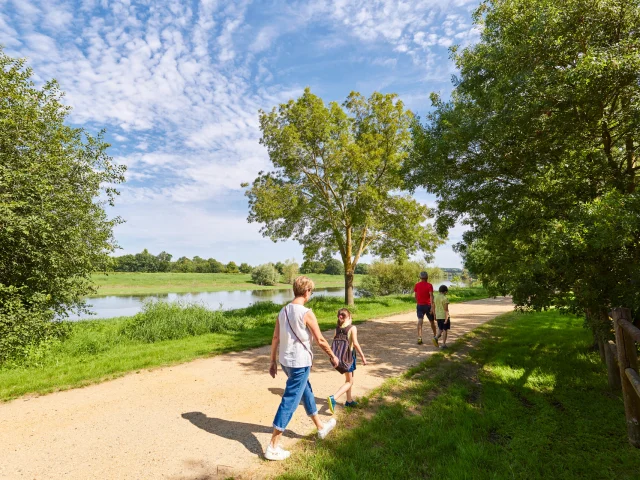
295	328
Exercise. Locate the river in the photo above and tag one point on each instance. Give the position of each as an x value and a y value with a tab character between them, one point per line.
112	306
126	305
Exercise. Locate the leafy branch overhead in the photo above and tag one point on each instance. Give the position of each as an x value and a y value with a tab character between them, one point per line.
336	185
537	151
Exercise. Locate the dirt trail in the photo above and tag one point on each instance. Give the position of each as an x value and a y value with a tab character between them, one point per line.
205	419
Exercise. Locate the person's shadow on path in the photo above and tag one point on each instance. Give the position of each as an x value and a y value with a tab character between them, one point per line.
238	431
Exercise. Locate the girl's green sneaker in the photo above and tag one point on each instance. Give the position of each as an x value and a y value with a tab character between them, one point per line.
351	404
332	404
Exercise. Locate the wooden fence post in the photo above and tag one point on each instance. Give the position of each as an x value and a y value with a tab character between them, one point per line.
627	359
613	372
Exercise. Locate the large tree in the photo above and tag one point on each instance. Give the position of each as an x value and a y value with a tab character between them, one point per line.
55	181
336	186
537	152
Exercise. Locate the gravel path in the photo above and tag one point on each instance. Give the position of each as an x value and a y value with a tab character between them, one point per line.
204	419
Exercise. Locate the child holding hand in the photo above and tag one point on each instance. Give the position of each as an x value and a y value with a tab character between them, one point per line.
442	314
345	325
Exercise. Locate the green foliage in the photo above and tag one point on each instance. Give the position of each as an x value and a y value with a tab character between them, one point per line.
290	271
145	262
265	274
386	278
184	265
279	266
537	153
333	267
362	268
54	184
214	266
336	186
160	321
25	325
142	262
312	266
232	268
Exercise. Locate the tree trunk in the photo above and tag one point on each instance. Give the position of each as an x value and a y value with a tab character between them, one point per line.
348	288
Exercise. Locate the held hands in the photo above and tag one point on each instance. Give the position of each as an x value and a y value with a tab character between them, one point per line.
273	369
334	361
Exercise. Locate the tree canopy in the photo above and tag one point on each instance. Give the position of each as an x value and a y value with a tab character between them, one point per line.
336	184
55	182
537	152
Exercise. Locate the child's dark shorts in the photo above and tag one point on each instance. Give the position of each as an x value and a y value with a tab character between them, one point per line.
423	310
444	326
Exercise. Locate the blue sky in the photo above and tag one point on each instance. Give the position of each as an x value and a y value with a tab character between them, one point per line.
178	86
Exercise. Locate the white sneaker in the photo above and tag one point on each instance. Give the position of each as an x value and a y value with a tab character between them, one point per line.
327	428
277	453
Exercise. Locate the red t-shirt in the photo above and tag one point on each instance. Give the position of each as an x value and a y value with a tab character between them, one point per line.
422	291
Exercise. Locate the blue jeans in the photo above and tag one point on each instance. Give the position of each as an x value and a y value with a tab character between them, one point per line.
298	388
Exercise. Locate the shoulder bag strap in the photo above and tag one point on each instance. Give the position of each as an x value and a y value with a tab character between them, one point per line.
295	335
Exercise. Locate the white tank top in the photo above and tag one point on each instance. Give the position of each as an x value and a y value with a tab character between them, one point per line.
292	352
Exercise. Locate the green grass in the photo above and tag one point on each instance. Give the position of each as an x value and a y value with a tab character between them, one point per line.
118	283
164	334
527	398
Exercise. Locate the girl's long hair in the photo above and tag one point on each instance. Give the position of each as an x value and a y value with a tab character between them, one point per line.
342	320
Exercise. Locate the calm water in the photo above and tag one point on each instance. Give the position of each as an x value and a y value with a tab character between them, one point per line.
127	305
121	306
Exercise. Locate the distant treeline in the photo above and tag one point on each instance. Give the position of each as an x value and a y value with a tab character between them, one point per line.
149	263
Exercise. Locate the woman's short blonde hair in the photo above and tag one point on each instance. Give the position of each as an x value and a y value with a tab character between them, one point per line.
301	285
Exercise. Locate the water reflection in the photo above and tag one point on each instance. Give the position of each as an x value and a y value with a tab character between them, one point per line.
120	306
127	305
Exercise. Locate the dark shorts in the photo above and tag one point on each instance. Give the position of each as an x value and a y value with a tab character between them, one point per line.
423	310
444	326
353	366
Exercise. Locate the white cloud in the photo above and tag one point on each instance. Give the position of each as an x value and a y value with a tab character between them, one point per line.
264	39
179	84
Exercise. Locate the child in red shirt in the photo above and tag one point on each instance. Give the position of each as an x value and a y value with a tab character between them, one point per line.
424	300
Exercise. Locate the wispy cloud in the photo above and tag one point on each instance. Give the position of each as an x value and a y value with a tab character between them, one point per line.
178	84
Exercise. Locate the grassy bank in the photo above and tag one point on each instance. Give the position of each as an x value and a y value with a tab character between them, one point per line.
524	396
162	335
118	283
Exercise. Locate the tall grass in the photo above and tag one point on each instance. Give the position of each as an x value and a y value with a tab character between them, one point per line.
168	321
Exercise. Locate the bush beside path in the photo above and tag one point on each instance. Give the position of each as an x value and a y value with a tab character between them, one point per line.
207	417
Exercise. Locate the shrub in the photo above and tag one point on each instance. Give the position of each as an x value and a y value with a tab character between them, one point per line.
362	268
312	266
334	267
265	274
215	266
168	321
232	268
386	278
24	325
290	271
245	268
55	181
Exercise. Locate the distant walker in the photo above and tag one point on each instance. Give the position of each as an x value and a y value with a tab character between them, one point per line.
424	300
